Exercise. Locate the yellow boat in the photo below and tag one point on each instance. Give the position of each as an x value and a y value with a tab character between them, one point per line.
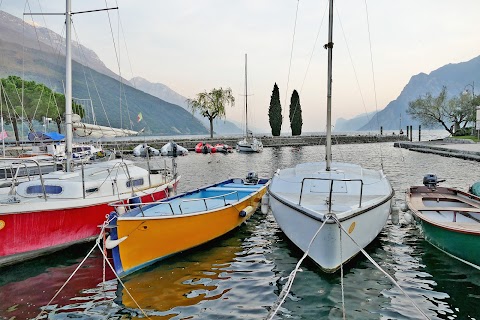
151	232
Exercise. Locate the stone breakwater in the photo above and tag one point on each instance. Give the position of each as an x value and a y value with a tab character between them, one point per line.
447	148
267	141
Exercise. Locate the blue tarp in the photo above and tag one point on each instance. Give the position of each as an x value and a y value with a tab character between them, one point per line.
45	136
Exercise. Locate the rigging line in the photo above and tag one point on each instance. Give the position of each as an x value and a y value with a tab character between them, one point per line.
49	80
311	57
117	55
373	77
291	53
353	64
91	77
45	23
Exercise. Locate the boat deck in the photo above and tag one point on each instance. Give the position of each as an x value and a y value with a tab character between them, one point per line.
446	207
341	202
201	200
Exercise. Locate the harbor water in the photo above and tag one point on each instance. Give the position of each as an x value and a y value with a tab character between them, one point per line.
241	275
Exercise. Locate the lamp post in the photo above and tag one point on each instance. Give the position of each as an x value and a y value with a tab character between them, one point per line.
474	107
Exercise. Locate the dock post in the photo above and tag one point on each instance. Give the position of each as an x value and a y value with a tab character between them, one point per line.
411	133
408	133
381	131
419	132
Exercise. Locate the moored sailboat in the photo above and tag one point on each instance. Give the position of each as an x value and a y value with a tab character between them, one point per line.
330	210
63	208
248	143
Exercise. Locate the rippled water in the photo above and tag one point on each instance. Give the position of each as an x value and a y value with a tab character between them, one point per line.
240	275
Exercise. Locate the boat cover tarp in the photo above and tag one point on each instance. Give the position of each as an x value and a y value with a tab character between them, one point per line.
45	136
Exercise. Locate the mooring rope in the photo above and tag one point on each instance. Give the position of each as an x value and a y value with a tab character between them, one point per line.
105	258
288	285
380	268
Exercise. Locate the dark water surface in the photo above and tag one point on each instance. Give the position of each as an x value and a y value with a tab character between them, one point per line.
240	275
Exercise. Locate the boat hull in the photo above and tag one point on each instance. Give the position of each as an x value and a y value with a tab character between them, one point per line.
302	198
150	239
461	245
331	247
31	233
449	219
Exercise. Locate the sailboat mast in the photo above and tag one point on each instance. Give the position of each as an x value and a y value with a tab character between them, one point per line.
329	46
246	98
68	84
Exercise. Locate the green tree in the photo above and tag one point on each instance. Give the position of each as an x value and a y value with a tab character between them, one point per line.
212	104
452	114
295	114
28	100
275	112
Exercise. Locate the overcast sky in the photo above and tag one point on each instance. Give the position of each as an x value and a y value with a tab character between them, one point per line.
197	45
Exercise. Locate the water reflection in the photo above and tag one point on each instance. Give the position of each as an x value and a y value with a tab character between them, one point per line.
240	275
185	280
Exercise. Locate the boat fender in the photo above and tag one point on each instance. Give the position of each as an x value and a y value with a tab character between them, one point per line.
120	210
403	207
246	211
395	215
408	217
134	202
110	244
265	203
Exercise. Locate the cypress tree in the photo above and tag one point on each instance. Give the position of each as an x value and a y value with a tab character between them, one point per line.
295	114
275	112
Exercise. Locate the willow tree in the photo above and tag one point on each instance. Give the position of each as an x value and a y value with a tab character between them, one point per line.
275	112
452	114
295	114
212	104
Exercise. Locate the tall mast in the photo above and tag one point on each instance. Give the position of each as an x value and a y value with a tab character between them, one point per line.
329	46
68	84
246	98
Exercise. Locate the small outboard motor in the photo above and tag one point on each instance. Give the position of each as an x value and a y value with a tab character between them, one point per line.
431	181
252	178
174	149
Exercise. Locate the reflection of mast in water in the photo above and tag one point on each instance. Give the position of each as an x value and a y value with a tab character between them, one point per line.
185	280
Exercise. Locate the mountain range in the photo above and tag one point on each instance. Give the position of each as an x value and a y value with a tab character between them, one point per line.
456	77
36	53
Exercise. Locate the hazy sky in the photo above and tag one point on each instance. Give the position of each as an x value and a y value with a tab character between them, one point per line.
197	45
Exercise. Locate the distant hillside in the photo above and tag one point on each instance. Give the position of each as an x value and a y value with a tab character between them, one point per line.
454	76
159	90
353	124
44	66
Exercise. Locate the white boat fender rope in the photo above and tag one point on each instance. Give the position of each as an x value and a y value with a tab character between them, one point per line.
246	211
395	215
265	203
110	244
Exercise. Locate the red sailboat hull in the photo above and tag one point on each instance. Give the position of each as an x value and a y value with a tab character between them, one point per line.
26	235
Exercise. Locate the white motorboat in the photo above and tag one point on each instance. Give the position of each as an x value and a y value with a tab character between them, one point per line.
311	200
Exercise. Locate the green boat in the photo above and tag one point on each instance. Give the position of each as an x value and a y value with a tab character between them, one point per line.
449	219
